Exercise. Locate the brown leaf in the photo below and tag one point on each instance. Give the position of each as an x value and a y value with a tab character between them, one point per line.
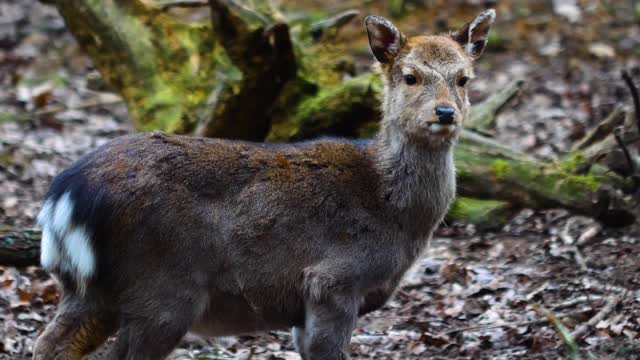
24	295
434	340
454	273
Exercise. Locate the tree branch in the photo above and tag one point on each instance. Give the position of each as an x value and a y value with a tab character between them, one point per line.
634	95
602	130
483	118
166	5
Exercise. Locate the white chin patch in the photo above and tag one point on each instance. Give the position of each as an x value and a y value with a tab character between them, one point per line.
442	129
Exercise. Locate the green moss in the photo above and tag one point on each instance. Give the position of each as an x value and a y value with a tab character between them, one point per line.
554	181
493	172
338	95
397	8
5	116
368	130
161	65
629	348
575	184
522	12
54	77
495	40
336	109
574	163
6	159
478	211
500	168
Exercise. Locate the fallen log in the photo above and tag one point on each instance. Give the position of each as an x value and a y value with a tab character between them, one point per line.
19	247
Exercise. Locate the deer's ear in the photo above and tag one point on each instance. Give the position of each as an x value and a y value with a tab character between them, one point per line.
384	38
473	36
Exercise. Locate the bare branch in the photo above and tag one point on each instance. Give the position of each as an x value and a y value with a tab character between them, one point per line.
634	95
511	324
584	329
483	119
603	129
332	24
166	5
625	151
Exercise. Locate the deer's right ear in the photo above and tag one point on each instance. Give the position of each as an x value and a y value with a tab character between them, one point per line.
384	38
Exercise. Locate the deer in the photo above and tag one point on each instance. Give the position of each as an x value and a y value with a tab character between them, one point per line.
154	235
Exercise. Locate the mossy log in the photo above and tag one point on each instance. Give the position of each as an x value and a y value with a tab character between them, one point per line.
19	247
489	170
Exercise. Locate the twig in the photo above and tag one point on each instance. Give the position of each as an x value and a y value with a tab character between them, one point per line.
335	22
85	105
625	151
584	329
604	128
26	116
417	285
494	326
577	256
592	283
565	335
576	301
589	234
511	324
634	95
183	4
565	234
533	293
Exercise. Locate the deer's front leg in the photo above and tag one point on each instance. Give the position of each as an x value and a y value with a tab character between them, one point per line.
330	316
328	328
299	339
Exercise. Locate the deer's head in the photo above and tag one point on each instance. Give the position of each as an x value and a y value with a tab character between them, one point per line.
426	76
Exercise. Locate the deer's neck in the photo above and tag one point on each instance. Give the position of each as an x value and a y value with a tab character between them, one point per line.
418	182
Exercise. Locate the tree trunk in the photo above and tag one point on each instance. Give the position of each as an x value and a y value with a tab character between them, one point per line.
162	67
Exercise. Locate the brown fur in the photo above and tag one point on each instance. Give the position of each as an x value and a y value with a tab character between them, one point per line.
226	237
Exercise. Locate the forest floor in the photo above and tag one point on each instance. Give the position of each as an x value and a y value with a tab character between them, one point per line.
478	292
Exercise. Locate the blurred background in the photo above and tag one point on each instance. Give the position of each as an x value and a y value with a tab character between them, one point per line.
75	74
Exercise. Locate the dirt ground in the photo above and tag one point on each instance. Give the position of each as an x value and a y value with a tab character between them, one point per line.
477	293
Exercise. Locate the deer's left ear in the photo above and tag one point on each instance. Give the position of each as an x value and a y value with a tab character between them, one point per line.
473	36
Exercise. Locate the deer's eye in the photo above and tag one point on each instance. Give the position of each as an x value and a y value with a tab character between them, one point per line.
410	79
463	81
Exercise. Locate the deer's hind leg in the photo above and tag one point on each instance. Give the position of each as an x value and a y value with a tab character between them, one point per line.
153	325
78	329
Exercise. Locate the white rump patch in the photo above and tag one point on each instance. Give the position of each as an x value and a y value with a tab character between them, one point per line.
61	221
49	254
78	250
45	213
65	244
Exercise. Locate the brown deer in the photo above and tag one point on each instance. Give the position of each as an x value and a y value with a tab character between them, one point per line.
155	235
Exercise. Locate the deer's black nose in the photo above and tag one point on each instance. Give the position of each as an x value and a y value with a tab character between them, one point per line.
445	114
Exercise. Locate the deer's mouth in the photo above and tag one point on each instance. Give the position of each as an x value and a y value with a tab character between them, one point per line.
442	129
